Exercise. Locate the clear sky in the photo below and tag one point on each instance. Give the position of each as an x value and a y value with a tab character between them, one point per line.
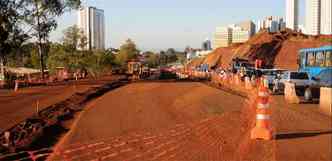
161	24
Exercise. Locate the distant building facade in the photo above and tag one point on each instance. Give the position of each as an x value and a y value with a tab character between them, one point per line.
326	17
190	54
292	14
272	24
91	22
222	37
313	17
318	16
240	35
195	53
248	26
235	33
206	45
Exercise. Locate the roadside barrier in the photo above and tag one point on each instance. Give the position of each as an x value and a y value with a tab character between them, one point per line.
263	129
16	85
247	83
308	94
325	100
253	81
290	93
265	83
237	80
2	83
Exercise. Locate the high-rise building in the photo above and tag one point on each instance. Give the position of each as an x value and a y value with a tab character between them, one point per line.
248	26
206	45
222	37
326	17
91	22
292	14
240	35
313	17
272	24
235	33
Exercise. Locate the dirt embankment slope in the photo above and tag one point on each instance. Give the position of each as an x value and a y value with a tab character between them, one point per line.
275	49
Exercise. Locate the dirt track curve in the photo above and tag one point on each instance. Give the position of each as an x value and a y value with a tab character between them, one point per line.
156	121
189	121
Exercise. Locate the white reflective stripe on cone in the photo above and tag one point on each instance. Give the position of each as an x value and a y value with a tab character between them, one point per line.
263	94
262	117
262	106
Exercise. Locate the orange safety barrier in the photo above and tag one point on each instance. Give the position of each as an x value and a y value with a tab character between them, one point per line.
237	80
247	83
17	83
263	128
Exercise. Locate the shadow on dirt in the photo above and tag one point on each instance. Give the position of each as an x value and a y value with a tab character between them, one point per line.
302	134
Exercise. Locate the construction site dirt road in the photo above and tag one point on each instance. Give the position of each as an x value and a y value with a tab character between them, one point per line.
191	121
17	106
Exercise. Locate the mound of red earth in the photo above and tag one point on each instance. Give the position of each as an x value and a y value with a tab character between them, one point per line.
275	49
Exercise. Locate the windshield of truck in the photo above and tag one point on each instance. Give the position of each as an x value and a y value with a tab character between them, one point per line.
299	75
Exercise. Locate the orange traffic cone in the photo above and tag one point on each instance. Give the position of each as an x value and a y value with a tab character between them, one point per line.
263	129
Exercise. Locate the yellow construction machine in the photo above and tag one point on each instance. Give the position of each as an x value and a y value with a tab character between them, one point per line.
134	69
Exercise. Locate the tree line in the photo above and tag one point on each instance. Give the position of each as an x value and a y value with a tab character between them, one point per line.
25	26
23	20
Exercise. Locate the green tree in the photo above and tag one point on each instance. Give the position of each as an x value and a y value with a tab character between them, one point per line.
127	52
74	38
151	59
11	35
41	16
170	51
71	54
58	57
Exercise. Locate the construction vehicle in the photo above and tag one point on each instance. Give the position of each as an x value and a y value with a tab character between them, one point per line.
134	69
238	63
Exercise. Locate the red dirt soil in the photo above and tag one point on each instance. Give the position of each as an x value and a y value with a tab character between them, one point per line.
159	121
275	49
287	56
17	106
191	121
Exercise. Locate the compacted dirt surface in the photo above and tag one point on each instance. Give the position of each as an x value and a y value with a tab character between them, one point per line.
190	121
17	106
157	121
303	132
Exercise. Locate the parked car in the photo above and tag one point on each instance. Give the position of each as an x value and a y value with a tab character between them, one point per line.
300	79
324	78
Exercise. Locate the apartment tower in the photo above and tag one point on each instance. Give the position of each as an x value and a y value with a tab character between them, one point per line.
91	22
292	14
313	17
222	37
326	17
